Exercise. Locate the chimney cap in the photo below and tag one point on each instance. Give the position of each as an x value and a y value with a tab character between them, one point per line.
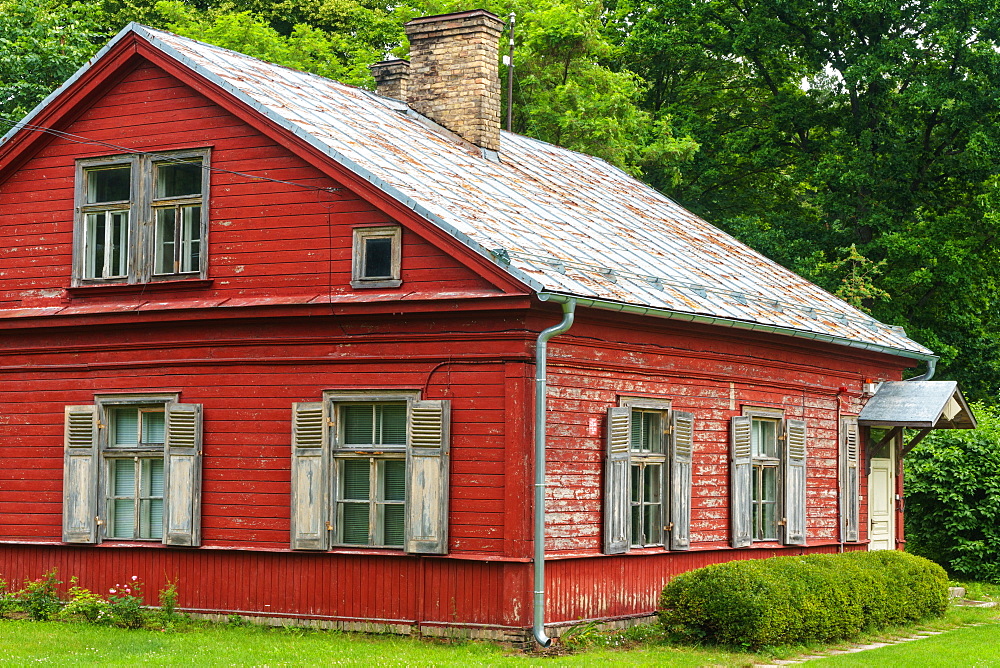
437	18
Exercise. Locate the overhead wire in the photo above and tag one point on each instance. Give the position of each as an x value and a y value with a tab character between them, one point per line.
80	139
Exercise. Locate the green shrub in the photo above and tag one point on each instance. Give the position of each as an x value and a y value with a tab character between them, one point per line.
40	597
84	604
953	498
125	605
819	597
8	599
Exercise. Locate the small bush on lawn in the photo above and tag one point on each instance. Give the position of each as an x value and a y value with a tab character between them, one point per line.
819	597
40	597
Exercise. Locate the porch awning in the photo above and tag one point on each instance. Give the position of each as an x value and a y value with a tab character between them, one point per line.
920	404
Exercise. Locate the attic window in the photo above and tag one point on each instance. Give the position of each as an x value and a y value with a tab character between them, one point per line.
376	257
141	217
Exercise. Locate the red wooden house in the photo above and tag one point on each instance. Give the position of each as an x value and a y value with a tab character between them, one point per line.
286	343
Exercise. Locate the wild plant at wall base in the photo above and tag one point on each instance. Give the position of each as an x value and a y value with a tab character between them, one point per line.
84	604
8	599
40	597
125	604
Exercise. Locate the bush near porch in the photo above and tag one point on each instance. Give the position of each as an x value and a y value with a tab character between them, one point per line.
820	597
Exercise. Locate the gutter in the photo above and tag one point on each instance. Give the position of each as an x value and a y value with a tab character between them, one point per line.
541	388
927	375
608	305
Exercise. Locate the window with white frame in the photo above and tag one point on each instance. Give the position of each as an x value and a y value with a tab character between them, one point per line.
767	478
141	217
132	470
648	476
376	257
370	469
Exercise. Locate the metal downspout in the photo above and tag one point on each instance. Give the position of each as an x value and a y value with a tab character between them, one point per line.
541	388
927	375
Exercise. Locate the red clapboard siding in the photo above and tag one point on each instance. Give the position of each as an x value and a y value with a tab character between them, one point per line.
263	237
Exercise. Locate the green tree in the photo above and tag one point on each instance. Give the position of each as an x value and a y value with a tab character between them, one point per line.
41	45
953	498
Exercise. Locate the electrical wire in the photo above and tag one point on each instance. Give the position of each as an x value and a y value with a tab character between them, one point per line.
80	139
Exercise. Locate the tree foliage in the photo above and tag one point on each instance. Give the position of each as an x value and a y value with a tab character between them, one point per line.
953	498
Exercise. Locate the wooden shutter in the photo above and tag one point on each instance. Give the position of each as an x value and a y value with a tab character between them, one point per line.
740	481
795	482
427	480
182	457
616	481
850	485
310	512
681	456
81	475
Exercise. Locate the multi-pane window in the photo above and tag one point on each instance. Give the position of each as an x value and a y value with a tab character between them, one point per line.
371	473
765	469
370	468
647	456
142	217
135	471
376	257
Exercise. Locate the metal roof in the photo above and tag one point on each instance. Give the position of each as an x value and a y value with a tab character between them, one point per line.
925	404
560	221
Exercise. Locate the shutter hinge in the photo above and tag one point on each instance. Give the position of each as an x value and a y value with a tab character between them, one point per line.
668	527
329	527
99	521
329	422
101	425
783	522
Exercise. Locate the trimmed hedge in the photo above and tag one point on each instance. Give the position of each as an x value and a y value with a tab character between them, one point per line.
819	597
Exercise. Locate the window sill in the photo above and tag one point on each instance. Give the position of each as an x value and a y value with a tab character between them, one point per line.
139	288
389	283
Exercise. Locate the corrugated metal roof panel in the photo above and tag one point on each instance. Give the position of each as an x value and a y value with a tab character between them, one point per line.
570	223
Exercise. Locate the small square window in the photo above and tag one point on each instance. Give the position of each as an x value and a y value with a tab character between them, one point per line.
376	257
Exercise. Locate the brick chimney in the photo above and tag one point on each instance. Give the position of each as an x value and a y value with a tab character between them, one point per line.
453	73
391	77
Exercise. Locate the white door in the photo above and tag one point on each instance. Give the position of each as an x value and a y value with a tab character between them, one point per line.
882	502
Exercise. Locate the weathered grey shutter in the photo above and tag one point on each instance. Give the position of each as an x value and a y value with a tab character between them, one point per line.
81	474
795	482
850	468
681	456
740	481
310	512
182	475
427	481
616	481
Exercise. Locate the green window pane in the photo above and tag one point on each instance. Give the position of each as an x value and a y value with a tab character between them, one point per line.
355	523
394	483
770	480
118	259
394	517
113	184
123	477
637	525
359	423
126	426
392	423
152	472
153	427
95	245
651	483
123	519
636	488
151	519
177	179
357	481
764	438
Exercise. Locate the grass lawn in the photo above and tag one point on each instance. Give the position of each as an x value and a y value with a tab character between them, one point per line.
970	646
196	644
31	643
